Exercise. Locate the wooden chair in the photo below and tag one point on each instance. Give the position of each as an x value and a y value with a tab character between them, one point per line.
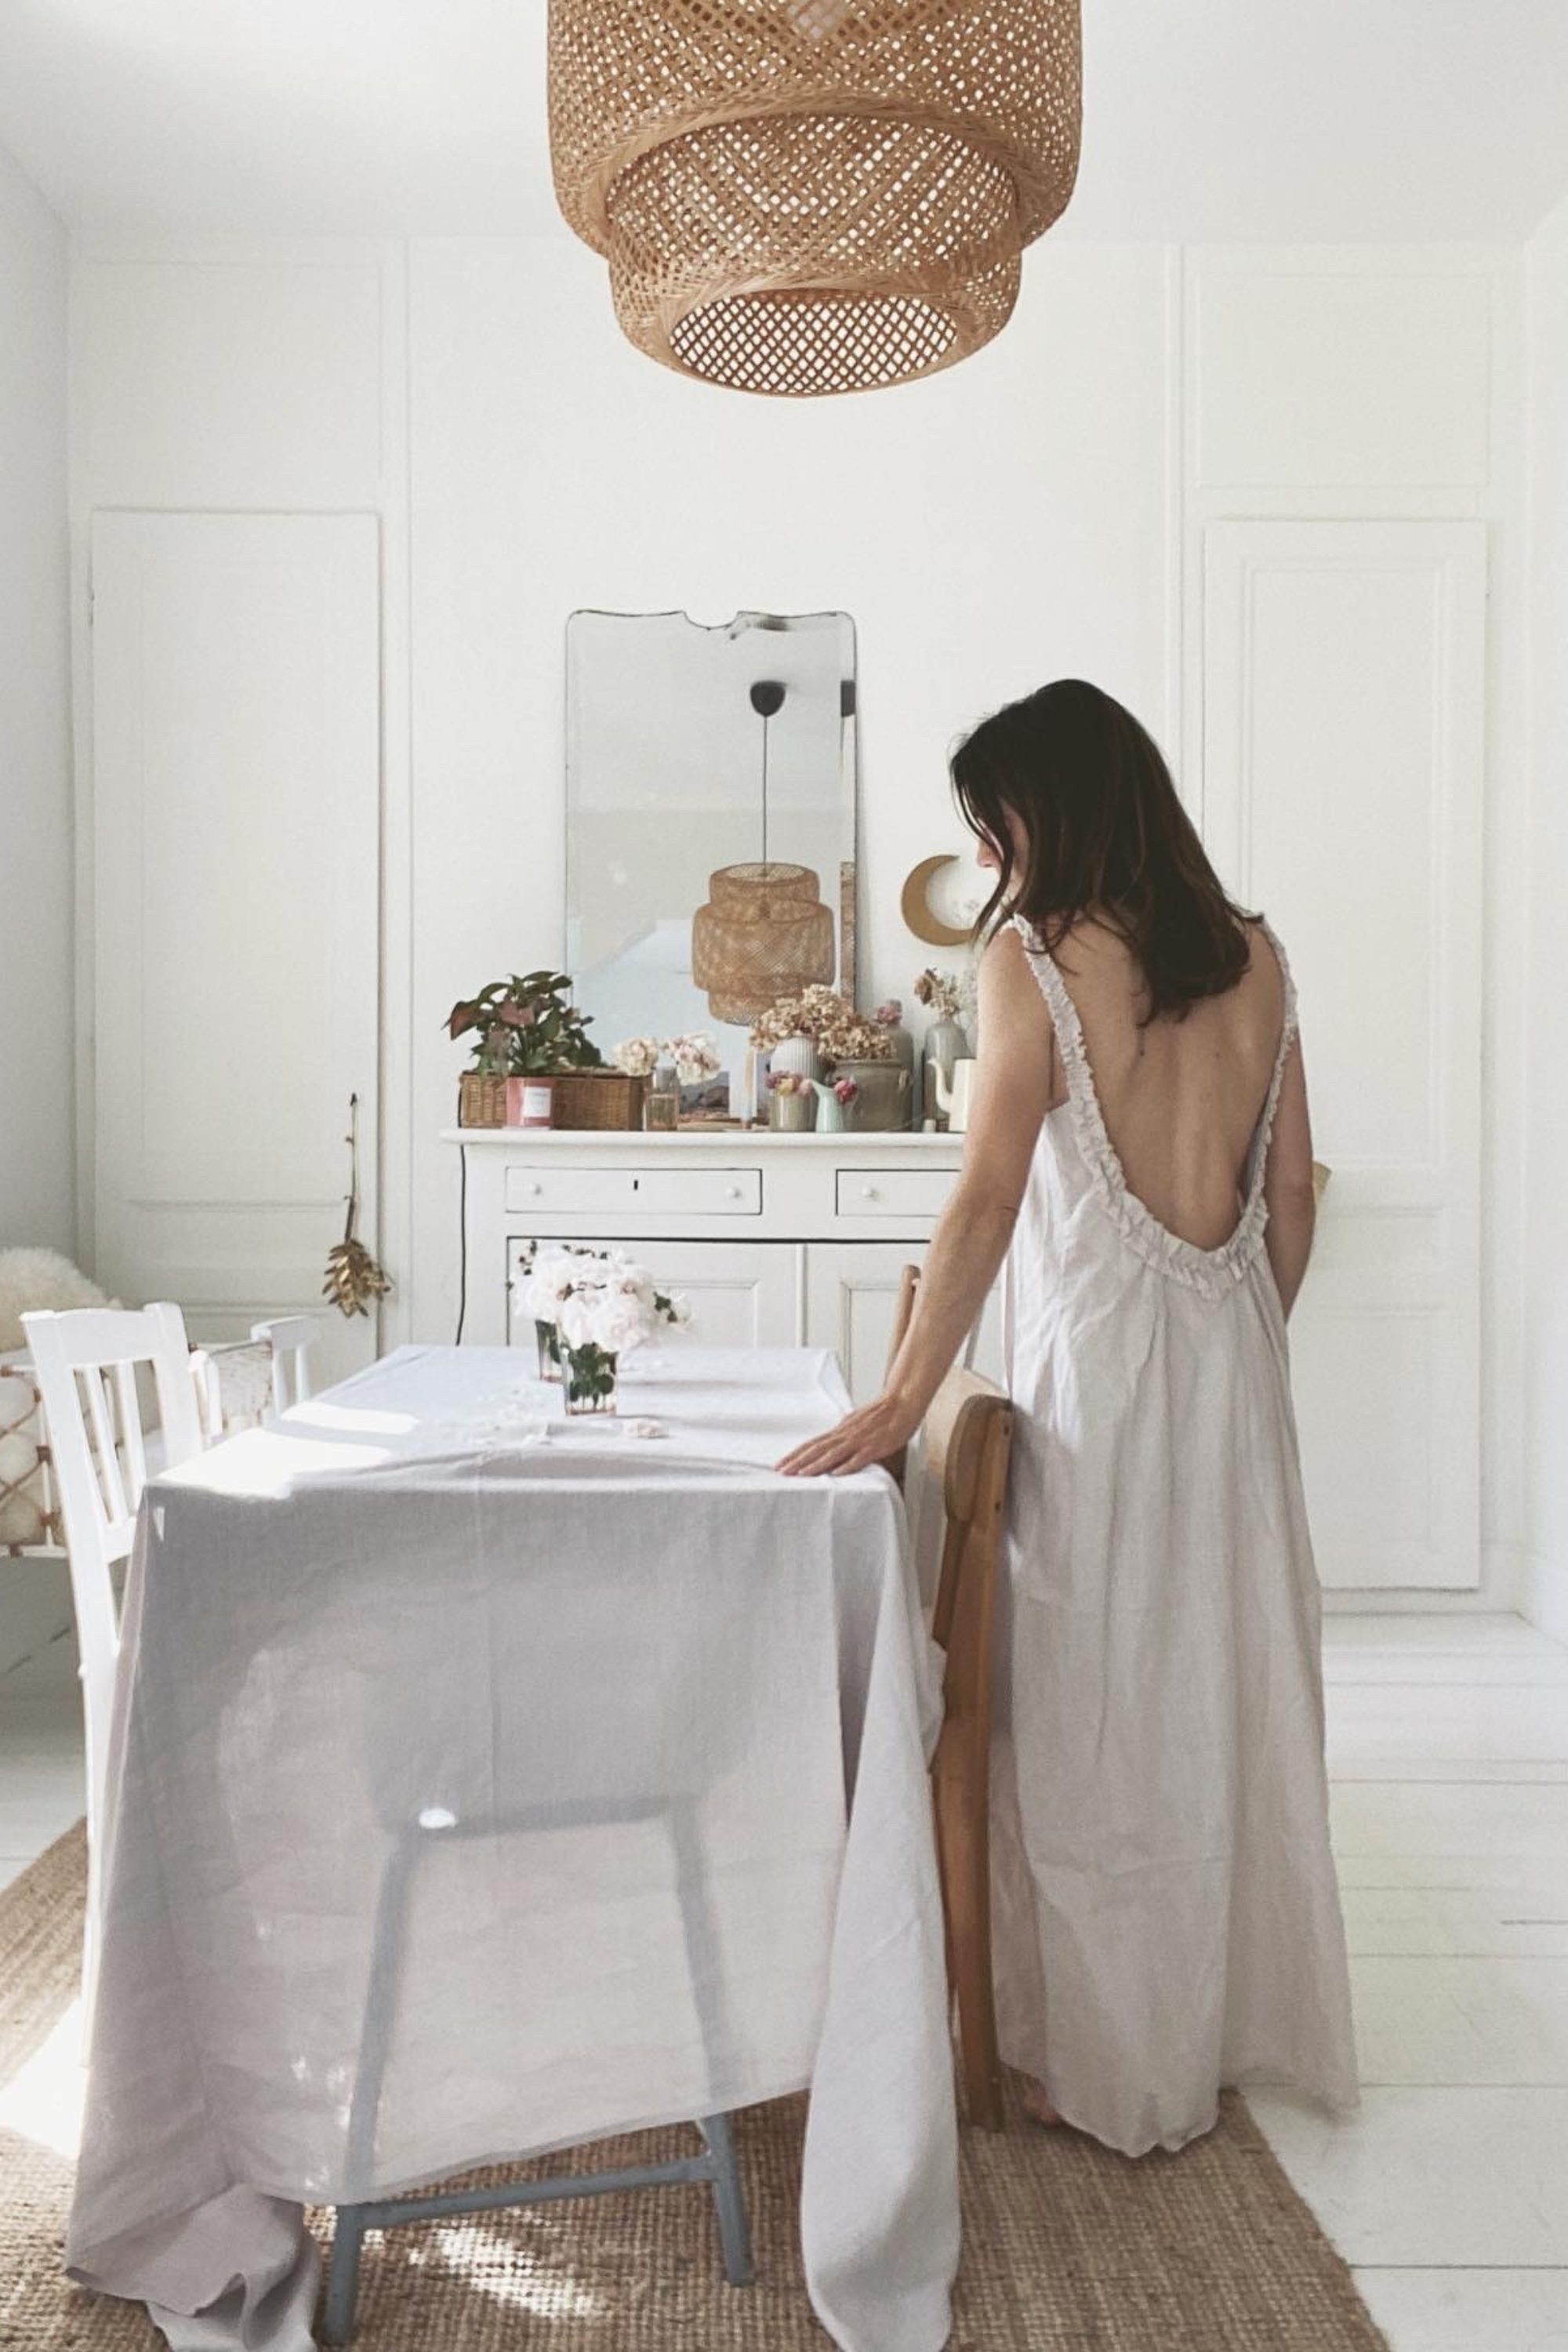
86	1362
290	1339
968	1440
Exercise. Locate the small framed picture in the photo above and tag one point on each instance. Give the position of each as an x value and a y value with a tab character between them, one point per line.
708	1099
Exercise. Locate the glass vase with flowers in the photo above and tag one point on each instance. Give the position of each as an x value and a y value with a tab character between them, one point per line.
608	1308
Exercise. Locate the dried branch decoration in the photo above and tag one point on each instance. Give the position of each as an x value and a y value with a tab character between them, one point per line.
353	1277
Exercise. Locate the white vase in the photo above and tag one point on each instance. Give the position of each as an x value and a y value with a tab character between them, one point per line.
797	1054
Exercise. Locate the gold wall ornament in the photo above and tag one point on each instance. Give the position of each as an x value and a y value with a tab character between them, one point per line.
353	1277
806	196
917	910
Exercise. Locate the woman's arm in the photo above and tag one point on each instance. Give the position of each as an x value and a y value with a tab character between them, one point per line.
1287	1183
1014	1083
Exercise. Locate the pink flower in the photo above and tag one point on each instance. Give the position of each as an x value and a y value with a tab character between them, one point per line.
846	1089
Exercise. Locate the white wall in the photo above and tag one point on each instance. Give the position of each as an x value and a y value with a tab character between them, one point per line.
1540	911
1041	510
37	1182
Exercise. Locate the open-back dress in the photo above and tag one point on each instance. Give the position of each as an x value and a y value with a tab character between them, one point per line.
1166	1918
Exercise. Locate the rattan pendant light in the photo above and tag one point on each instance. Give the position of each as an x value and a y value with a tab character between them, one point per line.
801	196
765	932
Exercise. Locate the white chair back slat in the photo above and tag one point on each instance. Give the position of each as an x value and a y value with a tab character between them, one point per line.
131	1451
100	1470
290	1339
209	1395
105	1452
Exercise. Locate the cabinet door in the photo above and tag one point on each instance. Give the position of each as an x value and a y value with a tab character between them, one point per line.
742	1294
851	1298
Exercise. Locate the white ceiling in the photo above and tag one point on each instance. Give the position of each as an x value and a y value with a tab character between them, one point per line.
1204	119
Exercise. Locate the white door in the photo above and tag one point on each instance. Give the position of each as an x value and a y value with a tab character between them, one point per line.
1343	705
236	759
742	1294
851	1298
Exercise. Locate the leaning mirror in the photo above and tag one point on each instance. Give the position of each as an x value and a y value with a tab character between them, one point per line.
711	777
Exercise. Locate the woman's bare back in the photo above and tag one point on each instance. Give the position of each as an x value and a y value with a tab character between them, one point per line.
1181	1098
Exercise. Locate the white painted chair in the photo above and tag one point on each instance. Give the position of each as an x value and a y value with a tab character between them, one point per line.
290	1339
86	1363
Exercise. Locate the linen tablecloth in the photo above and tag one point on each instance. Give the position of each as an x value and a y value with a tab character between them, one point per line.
485	1782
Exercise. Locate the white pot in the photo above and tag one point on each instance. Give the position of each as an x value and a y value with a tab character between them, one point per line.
798	1055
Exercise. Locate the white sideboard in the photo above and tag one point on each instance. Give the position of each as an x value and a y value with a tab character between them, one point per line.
776	1240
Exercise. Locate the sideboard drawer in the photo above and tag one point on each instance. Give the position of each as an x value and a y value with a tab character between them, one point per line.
893	1192
552	1191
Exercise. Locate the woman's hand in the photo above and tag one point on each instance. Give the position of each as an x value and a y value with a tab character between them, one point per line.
874	1433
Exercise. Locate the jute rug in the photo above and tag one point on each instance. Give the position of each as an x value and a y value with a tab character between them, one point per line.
1066	2248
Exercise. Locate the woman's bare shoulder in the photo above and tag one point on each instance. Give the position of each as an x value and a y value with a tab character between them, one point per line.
1008	983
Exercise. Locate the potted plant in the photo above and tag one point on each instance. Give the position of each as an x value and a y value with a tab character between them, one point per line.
526	1032
818	1028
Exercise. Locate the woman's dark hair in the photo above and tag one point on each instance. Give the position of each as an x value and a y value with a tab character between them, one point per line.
1106	836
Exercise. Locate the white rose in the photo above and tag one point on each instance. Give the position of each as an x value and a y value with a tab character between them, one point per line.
578	1318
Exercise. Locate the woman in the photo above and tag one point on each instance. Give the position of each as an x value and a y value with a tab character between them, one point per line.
1166	1917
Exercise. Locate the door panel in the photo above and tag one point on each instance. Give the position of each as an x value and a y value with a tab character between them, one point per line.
1344	668
235	779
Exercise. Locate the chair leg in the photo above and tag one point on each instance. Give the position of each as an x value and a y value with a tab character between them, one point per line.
343	2276
729	2201
964	1853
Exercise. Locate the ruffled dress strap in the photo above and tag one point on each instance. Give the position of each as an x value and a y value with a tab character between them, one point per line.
1289	1029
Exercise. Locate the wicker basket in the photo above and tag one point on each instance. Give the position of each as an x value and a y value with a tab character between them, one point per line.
481	1099
602	1099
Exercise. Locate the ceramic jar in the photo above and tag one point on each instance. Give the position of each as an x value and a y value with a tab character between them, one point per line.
891	1020
792	1114
882	1102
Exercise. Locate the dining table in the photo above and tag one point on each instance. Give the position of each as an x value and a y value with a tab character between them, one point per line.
567	1683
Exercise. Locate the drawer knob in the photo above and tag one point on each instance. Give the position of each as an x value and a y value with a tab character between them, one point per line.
536	1187
869	1192
731	1191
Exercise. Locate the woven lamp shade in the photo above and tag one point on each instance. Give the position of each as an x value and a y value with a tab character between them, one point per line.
763	934
803	196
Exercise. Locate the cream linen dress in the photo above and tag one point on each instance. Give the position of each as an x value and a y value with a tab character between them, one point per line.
1166	1916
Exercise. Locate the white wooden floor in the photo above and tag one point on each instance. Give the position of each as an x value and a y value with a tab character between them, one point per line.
1449	1746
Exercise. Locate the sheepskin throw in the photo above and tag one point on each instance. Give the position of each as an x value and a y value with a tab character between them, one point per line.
30	1280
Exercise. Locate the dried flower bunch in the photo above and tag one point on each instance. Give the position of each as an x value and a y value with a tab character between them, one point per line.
693	1054
787	1082
830	1021
947	993
525	1026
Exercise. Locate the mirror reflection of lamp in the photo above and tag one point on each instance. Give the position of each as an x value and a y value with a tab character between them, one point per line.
763	932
